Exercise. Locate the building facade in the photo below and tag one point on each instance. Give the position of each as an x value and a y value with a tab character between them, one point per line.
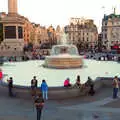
82	32
28	30
52	36
13	28
43	35
111	31
16	31
2	15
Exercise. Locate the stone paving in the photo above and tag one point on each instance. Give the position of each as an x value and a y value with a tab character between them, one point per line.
98	107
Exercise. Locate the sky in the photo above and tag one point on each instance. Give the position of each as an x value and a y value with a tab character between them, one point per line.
59	12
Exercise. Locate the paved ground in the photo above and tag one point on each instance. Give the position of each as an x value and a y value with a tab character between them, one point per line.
99	107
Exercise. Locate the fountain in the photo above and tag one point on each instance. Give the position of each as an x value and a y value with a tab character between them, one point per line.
64	56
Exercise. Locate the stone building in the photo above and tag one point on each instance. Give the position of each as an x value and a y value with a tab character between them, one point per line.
111	31
51	35
28	30
82	31
43	35
2	15
13	28
17	30
34	33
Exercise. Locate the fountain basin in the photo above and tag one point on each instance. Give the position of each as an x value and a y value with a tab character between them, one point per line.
64	56
63	61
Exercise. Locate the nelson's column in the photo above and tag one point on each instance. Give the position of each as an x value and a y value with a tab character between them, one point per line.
13	28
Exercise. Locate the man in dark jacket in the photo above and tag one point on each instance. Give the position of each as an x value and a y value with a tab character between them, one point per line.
10	86
34	83
39	103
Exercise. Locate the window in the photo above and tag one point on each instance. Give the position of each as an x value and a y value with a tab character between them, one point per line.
105	36
10	32
20	32
105	23
83	38
1	32
87	39
105	29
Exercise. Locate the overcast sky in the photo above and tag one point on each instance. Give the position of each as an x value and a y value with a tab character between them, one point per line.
58	12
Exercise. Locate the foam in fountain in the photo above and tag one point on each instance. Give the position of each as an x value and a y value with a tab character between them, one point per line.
64	56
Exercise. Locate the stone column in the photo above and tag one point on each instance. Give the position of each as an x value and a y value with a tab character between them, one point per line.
16	32
12	6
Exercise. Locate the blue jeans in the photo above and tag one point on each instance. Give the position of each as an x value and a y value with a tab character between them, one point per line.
39	110
45	94
1	81
115	92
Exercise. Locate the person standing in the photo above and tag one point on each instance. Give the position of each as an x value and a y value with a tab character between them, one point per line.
10	86
115	87
44	89
34	84
39	104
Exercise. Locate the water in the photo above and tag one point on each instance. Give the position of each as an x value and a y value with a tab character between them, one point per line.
64	38
23	72
64	49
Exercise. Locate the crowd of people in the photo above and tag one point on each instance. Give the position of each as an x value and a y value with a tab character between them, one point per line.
40	94
38	98
88	84
43	88
103	56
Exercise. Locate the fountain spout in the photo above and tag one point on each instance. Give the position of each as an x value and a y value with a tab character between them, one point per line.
64	38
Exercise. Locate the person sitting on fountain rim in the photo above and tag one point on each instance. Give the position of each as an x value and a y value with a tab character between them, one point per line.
1	76
67	83
77	84
89	82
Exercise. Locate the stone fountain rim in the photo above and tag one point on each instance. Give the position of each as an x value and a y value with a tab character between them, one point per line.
64	56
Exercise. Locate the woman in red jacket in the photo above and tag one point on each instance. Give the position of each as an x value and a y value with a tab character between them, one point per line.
1	75
67	83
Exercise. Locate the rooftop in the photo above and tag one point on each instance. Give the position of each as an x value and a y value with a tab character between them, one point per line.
111	16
